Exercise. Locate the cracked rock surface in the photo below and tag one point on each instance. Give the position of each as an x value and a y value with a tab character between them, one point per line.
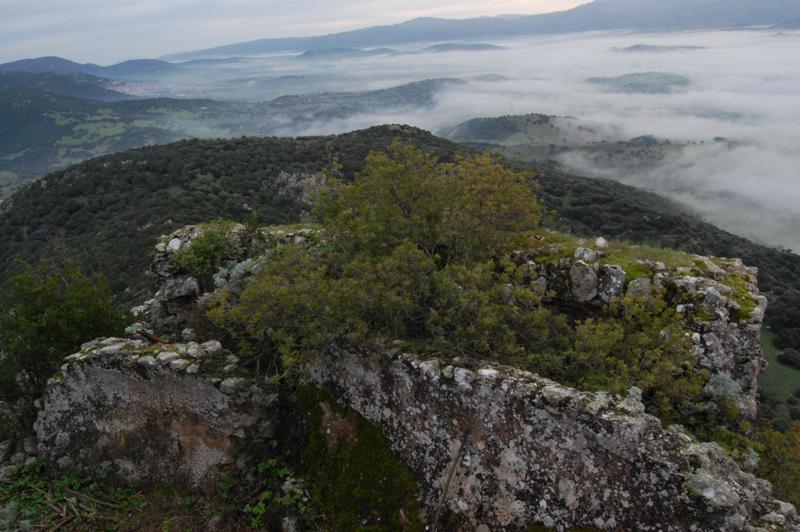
141	415
524	450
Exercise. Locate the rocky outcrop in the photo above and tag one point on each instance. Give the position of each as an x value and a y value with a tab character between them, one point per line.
727	337
177	306
141	415
709	294
506	449
501	448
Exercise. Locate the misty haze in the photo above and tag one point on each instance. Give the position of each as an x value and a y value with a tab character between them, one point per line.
400	265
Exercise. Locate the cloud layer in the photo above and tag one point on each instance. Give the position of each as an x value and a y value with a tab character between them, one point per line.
745	86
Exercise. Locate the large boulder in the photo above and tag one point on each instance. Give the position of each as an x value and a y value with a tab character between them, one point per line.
144	414
506	449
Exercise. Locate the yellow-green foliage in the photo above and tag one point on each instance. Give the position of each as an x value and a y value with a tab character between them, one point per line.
461	212
642	342
351	473
400	265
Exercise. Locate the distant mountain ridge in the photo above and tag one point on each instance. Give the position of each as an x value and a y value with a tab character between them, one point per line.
135	68
41	130
77	85
643	15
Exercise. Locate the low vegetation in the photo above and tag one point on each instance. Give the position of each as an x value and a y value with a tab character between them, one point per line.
201	259
48	312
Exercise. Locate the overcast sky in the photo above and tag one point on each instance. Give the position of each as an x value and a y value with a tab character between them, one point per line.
106	31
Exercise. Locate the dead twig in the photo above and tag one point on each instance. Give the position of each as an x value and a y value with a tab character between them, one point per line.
61	523
153	339
92	499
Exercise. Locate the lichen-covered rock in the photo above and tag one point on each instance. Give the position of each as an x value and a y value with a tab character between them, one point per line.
179	299
507	449
611	282
728	341
583	280
134	413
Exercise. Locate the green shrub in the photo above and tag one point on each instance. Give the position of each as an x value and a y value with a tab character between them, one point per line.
47	313
204	255
462	212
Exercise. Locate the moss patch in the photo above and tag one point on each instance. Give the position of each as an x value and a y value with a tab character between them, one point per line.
632	258
352	475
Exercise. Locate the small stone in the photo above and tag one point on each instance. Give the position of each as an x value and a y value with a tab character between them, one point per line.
211	347
230	368
63	440
89	345
180	364
174	245
717	493
758	313
431	369
584	282
232	359
640	288
18	458
463	377
112	349
713	300
193	369
556	395
165	357
601	244
232	385
194	350
585	254
147	361
447	372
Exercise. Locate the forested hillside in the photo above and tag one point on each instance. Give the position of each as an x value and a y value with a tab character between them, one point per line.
44	127
109	211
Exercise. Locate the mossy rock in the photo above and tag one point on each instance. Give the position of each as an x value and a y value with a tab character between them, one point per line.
351	473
